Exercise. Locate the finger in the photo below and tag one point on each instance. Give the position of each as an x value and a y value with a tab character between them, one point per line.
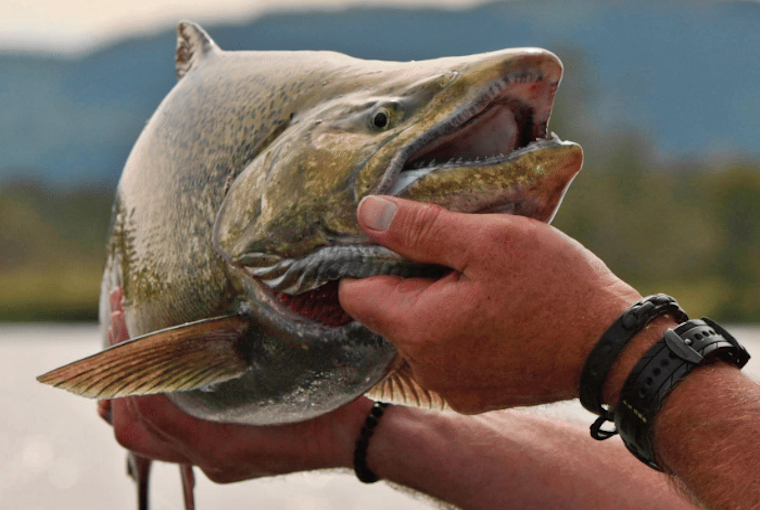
419	231
381	303
407	311
135	434
189	436
225	452
105	411
117	333
115	299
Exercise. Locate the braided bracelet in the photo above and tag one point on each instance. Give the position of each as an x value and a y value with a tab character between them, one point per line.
606	351
363	473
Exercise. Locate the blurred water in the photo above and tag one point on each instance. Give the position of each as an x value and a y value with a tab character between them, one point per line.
56	453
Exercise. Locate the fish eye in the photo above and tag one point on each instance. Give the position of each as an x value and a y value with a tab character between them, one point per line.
381	118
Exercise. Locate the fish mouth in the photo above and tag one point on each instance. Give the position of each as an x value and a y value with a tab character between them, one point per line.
508	121
481	135
505	129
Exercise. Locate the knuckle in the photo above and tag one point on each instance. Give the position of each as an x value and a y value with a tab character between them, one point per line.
126	437
217	474
417	348
460	407
462	404
430	378
422	225
221	472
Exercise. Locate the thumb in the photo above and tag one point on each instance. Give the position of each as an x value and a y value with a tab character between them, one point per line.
418	231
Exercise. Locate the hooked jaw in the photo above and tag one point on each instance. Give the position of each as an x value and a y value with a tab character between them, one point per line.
506	121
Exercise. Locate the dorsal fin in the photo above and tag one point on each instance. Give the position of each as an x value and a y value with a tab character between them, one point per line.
192	44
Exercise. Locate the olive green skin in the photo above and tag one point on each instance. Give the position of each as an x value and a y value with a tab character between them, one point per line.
269	153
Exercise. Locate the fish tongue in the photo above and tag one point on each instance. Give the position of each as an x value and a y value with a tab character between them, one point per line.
320	305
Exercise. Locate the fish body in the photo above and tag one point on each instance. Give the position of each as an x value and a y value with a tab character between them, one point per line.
235	216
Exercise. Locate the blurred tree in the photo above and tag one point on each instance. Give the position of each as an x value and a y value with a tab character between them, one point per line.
51	250
735	197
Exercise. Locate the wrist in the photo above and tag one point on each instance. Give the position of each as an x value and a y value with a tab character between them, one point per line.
631	354
402	430
342	444
614	306
668	363
426	451
637	321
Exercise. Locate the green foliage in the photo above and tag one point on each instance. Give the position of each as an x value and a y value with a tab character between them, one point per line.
691	232
52	249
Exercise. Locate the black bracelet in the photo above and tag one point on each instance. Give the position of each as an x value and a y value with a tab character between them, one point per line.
363	473
606	351
672	358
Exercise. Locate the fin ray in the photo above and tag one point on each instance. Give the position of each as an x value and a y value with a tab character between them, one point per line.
400	387
175	359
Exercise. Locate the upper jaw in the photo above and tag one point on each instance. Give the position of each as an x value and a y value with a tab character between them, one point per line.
508	118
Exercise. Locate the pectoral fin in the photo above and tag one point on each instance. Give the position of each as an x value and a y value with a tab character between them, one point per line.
181	358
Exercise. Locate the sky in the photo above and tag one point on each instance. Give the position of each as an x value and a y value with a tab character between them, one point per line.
74	26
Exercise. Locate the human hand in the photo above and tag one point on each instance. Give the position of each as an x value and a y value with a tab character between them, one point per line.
514	321
155	428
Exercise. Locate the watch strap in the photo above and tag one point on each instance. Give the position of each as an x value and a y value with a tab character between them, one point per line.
673	357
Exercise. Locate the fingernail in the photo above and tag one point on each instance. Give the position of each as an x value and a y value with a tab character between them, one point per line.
376	213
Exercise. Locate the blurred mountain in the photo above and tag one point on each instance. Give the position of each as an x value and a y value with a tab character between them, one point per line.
682	75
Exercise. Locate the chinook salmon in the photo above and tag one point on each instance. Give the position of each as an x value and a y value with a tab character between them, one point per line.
235	216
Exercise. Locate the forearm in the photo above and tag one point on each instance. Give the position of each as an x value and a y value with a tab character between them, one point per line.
512	459
706	435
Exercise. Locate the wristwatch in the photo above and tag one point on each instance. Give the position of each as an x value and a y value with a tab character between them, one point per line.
672	358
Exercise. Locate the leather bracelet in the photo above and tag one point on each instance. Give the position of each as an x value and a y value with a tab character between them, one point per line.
607	350
672	358
363	473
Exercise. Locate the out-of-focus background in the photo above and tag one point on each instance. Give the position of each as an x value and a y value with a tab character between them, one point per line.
662	95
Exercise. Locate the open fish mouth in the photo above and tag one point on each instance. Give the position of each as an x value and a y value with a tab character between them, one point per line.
501	126
492	155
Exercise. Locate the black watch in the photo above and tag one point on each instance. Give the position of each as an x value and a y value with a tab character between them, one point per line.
679	351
